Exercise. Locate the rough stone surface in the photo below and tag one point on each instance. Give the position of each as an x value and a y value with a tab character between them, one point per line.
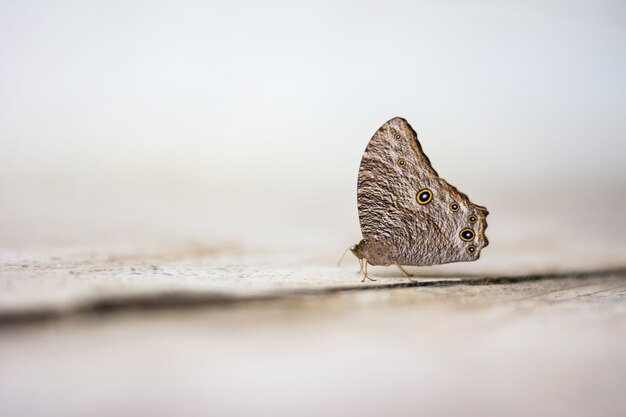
171	319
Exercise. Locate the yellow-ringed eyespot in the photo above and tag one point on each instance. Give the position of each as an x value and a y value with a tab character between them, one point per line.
424	196
402	163
398	136
471	249
472	218
467	234
454	206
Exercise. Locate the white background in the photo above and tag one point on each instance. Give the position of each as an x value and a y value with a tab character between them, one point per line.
192	118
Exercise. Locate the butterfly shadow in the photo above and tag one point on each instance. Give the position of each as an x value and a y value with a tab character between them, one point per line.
422	279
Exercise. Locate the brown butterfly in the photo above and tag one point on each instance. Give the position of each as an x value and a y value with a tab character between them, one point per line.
408	214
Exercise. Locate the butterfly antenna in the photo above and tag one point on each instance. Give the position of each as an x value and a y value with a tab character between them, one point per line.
344	254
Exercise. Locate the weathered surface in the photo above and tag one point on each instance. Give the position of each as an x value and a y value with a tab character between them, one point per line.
543	348
180	310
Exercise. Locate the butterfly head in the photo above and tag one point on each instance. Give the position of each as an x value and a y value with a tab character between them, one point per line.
356	250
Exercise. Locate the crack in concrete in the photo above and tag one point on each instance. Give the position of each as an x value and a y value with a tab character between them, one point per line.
194	299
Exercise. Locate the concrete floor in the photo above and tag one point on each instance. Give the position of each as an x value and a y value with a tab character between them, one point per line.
153	313
535	346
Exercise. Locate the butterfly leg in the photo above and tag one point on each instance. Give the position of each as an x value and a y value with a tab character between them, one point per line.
364	270
406	274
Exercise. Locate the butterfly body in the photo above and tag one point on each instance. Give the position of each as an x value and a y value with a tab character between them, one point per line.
408	214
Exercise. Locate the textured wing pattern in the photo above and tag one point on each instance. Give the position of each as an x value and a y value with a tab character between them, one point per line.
408	214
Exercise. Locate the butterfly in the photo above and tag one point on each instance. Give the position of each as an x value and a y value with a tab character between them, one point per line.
409	215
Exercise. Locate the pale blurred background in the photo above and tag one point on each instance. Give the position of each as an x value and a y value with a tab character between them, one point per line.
245	122
157	150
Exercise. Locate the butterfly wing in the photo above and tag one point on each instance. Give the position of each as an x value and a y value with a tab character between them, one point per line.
408	214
